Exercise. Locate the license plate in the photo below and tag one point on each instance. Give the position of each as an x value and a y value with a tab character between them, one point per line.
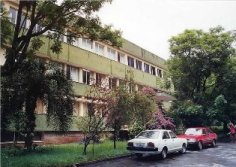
140	144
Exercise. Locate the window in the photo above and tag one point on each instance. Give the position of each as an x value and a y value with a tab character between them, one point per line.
70	37
12	15
99	49
204	132
61	38
37	28
146	68
75	42
148	134
193	131
23	21
165	135
121	57
111	53
58	65
86	77
76	109
87	43
121	82
209	130
138	65
172	135
153	70
99	79
130	61
130	87
112	83
72	73
159	72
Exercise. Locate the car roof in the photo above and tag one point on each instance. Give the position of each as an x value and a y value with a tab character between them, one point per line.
198	127
159	130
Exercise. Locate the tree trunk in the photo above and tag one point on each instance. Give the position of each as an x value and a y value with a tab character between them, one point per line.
225	128
93	147
114	139
30	121
86	143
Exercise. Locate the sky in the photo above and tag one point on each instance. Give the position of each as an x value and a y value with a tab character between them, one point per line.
151	23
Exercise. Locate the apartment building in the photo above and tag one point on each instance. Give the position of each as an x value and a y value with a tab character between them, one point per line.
86	62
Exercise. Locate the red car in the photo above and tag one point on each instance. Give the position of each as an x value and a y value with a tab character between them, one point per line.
199	137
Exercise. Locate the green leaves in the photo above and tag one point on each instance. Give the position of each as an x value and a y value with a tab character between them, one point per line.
73	19
6	28
200	70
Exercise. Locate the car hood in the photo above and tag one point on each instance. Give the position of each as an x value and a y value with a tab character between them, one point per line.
188	136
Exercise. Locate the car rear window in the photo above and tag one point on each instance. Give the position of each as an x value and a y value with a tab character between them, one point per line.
148	134
193	131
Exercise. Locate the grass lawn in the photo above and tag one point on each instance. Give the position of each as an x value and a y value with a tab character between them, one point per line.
60	155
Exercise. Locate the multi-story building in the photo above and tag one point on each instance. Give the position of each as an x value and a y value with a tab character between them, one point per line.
84	61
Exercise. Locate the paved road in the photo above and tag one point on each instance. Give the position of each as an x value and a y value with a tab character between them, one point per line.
224	155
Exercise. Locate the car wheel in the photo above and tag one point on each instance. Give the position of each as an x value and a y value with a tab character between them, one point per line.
213	144
139	155
164	153
199	145
184	148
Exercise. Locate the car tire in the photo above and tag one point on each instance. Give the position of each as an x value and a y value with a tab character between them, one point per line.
199	145
184	149
163	153
139	155
213	144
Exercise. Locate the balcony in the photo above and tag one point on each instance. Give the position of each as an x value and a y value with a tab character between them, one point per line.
88	60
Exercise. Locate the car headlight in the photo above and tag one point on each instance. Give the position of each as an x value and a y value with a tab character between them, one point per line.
192	140
130	144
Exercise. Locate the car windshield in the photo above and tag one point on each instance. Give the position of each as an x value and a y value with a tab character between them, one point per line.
193	131
148	134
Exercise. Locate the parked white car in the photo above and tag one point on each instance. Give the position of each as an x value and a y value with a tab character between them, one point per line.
158	141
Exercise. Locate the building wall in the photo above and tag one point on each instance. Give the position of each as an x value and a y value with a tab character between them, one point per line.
96	58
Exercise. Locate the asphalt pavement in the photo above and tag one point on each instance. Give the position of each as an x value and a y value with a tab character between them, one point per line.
223	155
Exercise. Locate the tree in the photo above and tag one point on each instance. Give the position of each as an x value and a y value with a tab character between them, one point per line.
120	103
70	18
95	121
216	112
223	108
26	79
91	125
196	65
35	80
142	108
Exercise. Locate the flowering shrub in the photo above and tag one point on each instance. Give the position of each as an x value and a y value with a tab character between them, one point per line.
159	119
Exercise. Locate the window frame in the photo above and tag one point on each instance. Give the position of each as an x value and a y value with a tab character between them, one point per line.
99	48
153	70
11	15
111	53
139	64
130	61
86	77
146	68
